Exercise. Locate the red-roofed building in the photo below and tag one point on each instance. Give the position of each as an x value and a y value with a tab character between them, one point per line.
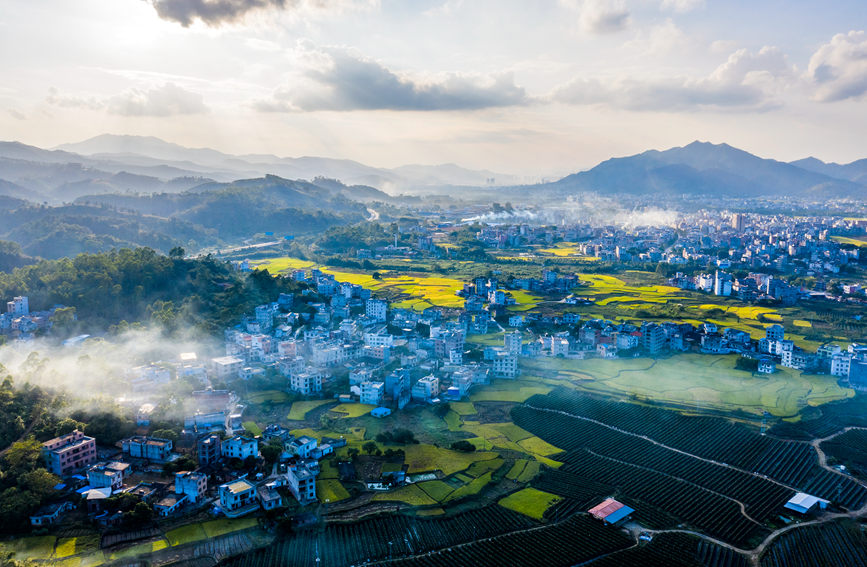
610	511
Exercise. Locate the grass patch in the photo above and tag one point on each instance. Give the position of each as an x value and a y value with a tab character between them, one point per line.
186	534
482	467
470	489
253	428
410	494
530	471
539	446
431	512
67	546
802	323
516	469
530	502
299	410
269	396
463	408
693	380
425	458
223	526
353	410
453	421
140	549
436	489
35	547
330	490
509	391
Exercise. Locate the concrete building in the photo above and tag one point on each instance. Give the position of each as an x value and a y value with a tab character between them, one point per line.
69	452
150	448
653	338
376	309
238	498
18	307
774	333
308	382
841	364
194	485
302	446
505	364
107	475
426	389
208	450
239	447
302	484
512	341
372	393
227	367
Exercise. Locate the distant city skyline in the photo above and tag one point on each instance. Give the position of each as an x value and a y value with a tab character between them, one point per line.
532	88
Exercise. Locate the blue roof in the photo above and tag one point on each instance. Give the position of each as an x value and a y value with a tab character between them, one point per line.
618	515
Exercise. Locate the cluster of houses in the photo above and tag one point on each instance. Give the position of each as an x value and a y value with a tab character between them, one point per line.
89	481
21	323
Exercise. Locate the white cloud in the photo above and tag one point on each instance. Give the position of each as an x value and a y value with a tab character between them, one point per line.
746	81
681	6
219	12
336	79
658	40
838	69
600	16
166	100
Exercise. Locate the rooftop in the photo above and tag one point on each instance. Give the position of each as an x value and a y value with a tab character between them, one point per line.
238	486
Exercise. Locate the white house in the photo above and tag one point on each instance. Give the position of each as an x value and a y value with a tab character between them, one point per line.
239	447
193	485
237	498
372	392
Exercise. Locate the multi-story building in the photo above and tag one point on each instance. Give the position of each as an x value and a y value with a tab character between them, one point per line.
227	367
841	364
192	484
107	475
372	393
774	333
512	341
237	498
18	307
505	364
426	389
69	452
653	338
150	448
239	447
302	483
302	446
308	382
376	309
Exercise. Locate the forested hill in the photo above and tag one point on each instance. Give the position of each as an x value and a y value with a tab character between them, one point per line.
140	285
213	214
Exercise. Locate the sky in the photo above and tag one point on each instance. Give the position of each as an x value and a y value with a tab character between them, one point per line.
538	88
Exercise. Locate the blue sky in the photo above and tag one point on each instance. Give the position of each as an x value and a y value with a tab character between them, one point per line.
536	88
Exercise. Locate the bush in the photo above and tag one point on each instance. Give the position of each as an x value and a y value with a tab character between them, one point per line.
463	446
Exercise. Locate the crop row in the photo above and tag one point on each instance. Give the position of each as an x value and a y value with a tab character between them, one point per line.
579	539
792	463
675	550
383	537
826	545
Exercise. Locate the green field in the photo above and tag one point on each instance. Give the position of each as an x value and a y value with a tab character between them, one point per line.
436	489
253	428
352	410
409	494
269	396
37	547
215	528
299	409
426	458
330	490
693	380
186	534
530	502
68	546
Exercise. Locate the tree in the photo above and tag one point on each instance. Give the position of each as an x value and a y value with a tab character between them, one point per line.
140	514
272	451
165	434
352	452
23	457
369	447
39	482
441	410
177	253
463	446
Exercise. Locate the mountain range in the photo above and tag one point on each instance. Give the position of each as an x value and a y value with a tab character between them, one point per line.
112	164
702	168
